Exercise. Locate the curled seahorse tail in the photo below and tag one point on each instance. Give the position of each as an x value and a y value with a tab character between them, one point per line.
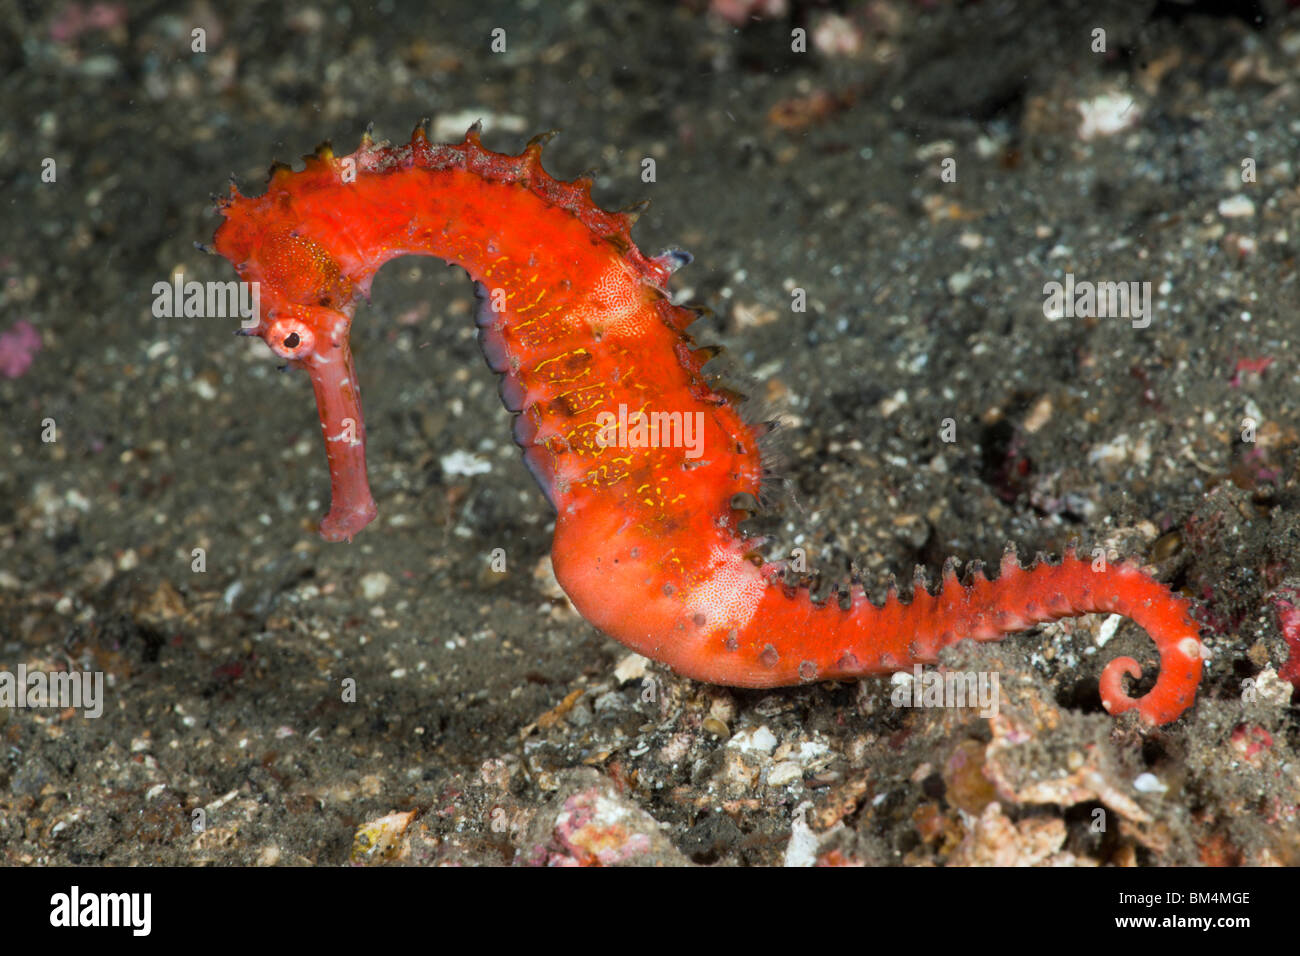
741	625
1044	592
1024	596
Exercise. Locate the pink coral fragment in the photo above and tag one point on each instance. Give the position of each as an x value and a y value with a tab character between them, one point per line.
18	347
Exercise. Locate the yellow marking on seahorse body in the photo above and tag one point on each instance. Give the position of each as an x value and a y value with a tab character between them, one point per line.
538	369
525	308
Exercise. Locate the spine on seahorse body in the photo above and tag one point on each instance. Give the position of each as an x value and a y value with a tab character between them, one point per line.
578	323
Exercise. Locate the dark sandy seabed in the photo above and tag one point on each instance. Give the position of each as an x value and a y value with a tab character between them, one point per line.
492	724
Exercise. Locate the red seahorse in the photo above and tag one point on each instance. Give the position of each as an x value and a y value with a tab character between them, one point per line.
578	323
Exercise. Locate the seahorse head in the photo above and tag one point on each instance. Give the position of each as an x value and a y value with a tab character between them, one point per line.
307	300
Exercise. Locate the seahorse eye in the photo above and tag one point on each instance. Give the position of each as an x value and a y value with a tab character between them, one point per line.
291	339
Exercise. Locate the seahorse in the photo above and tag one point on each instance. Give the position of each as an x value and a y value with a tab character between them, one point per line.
580	326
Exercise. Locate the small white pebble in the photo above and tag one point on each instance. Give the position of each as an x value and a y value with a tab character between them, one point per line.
1236	207
893	403
802	848
1108	629
374	585
1107	114
631	667
787	771
811	750
761	740
464	463
1148	783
